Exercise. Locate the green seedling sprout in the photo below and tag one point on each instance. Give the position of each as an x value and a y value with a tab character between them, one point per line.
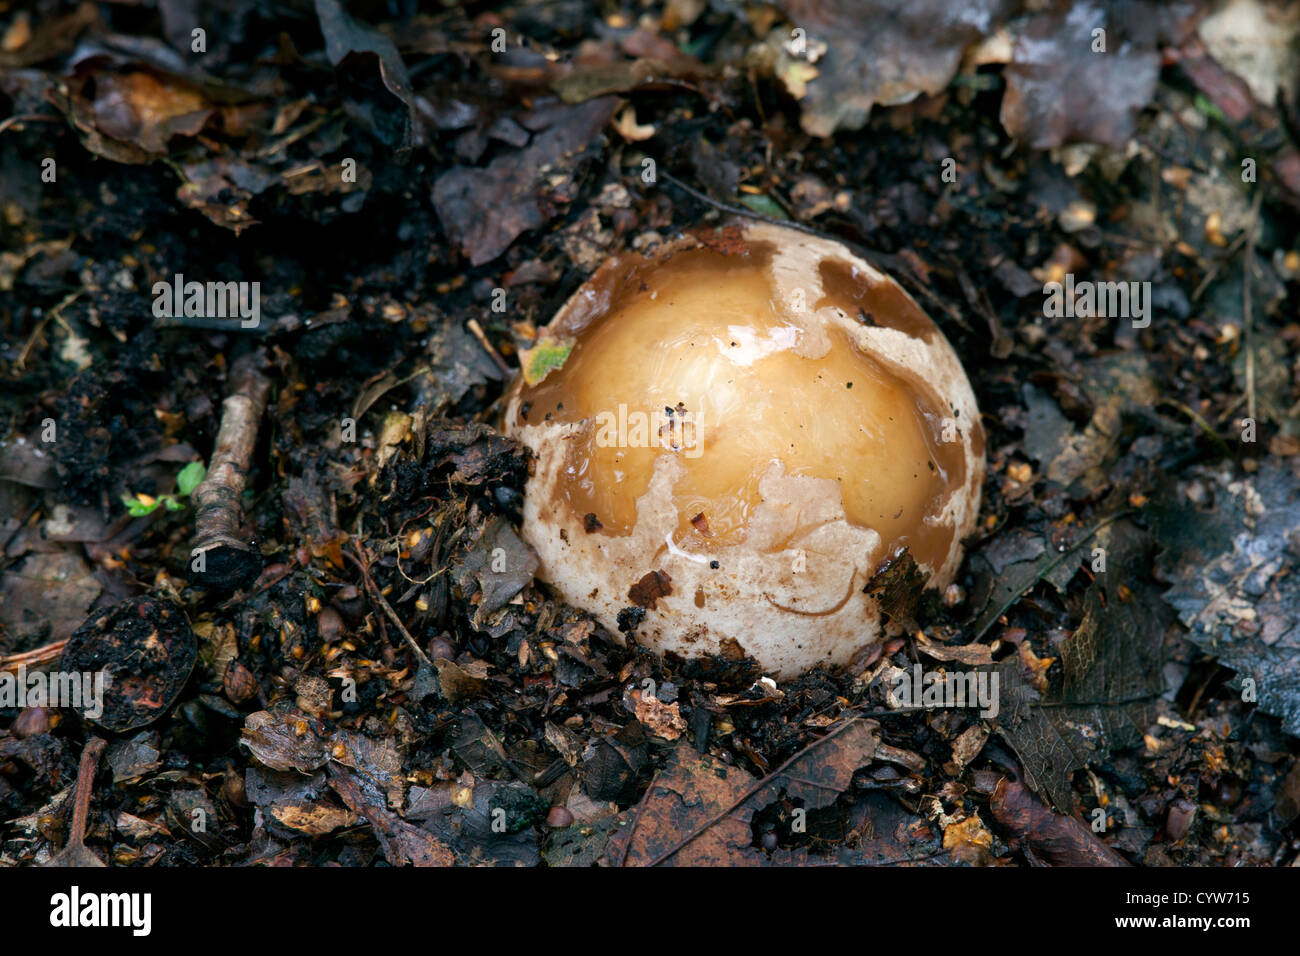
141	504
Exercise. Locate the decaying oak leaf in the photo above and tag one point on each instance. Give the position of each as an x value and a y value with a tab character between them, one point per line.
284	738
1112	674
881	53
700	811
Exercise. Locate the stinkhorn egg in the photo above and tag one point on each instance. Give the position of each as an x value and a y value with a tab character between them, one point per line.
733	435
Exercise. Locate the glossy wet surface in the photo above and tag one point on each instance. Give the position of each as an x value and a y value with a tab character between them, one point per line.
697	359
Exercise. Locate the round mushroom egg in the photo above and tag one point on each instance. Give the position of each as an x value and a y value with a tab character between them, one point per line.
734	436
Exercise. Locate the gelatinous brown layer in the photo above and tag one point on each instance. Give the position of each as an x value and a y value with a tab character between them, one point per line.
696	358
881	303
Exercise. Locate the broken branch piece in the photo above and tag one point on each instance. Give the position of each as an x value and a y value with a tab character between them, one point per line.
222	558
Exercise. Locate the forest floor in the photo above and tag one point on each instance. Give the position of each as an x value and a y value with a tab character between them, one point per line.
356	690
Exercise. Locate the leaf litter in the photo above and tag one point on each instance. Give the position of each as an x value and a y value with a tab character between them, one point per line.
376	692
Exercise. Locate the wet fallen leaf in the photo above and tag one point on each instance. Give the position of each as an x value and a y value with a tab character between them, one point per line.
283	738
543	358
1232	568
699	811
345	37
47	596
485	210
880	53
501	563
1057	839
455	684
969	841
131	114
1068	83
404	844
488	821
1112	675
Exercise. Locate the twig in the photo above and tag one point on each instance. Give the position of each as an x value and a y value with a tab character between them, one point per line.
56	313
295	134
387	608
1200	422
37	657
737	210
75	852
85	786
1218	264
220	557
477	331
1247	318
28	118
